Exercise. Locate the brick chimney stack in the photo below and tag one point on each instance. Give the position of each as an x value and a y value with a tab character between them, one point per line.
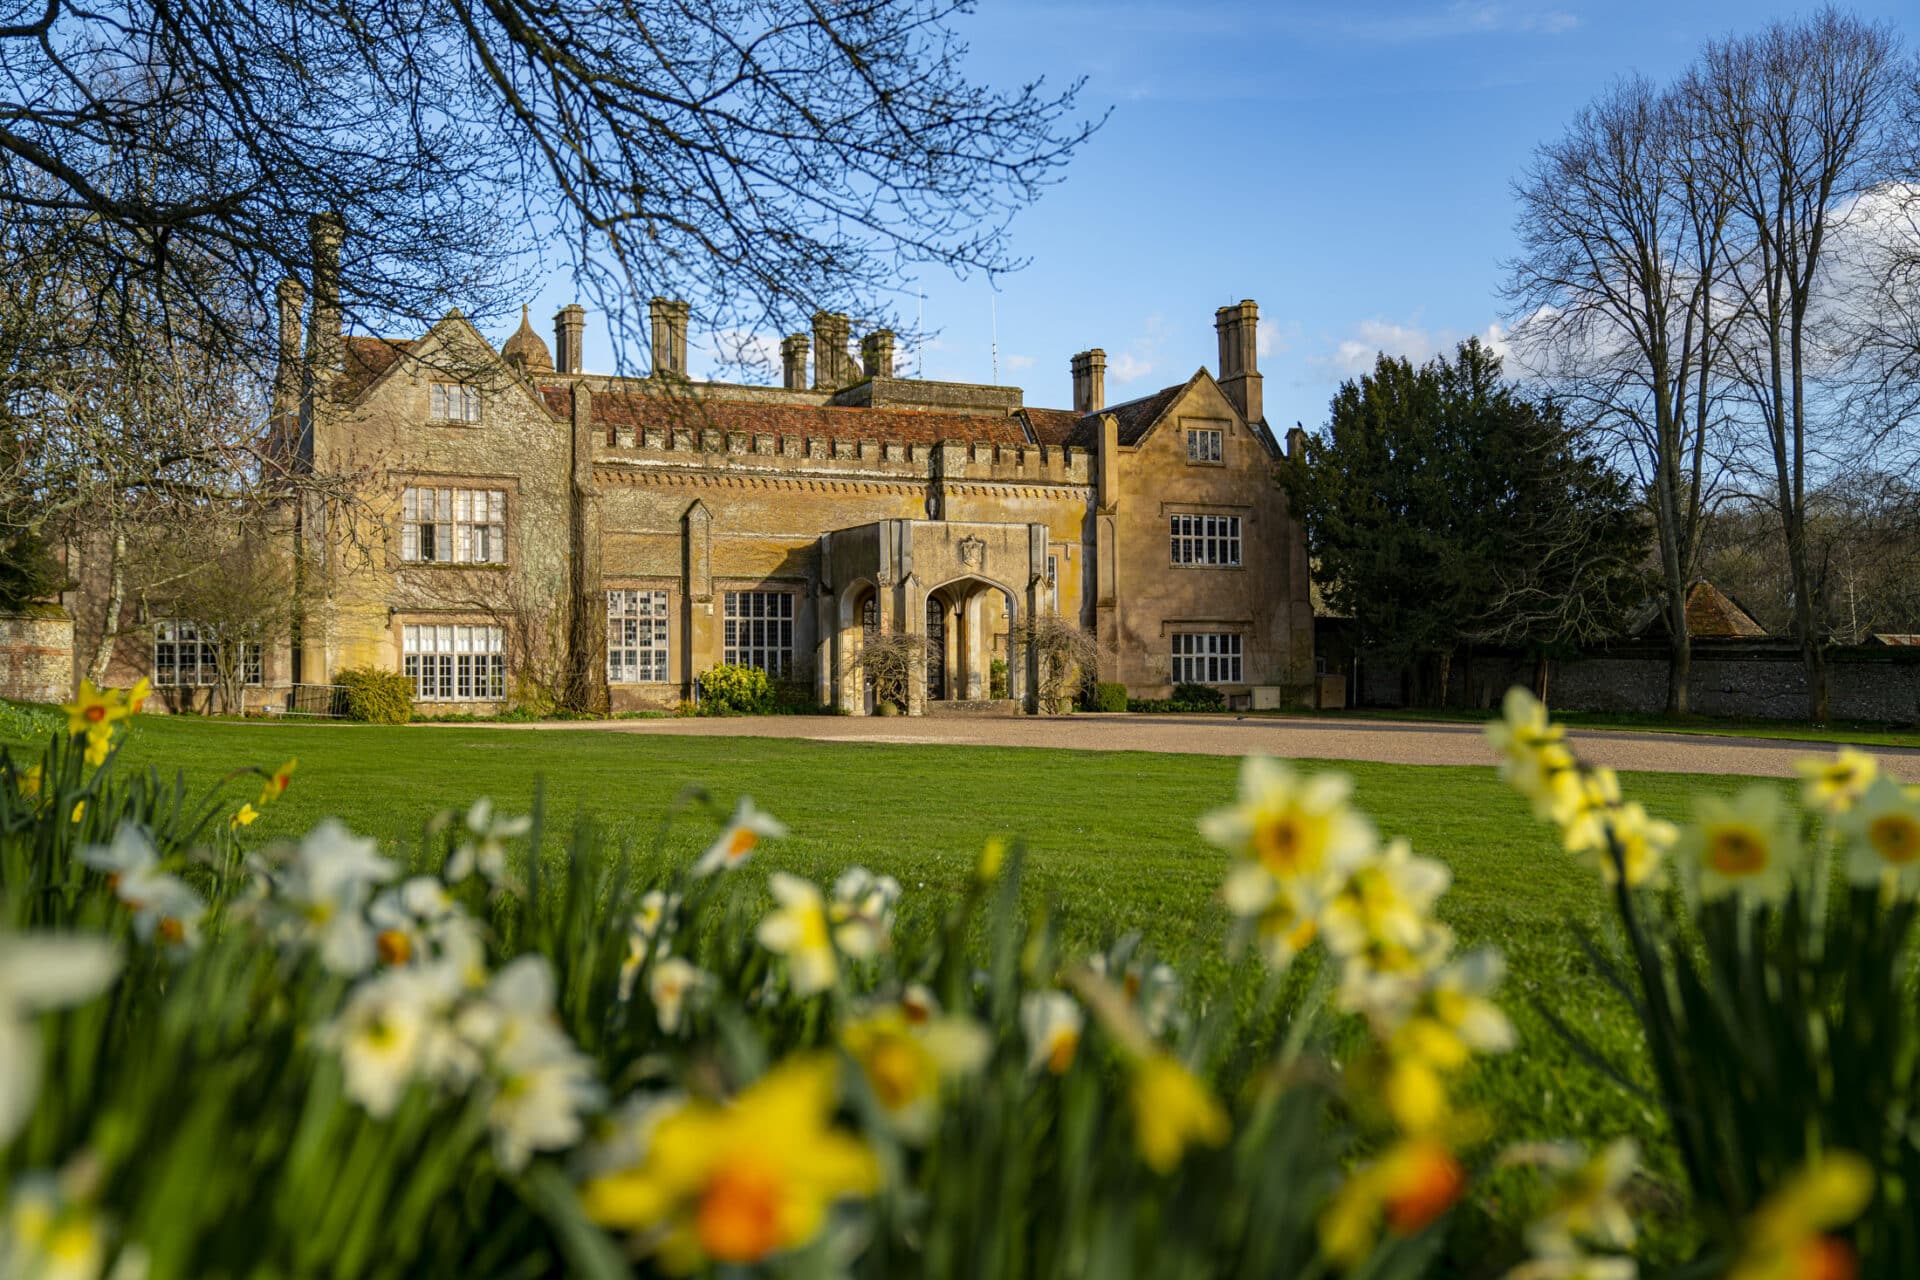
876	353
569	336
326	347
793	361
667	326
291	297
832	365
1239	329
1090	381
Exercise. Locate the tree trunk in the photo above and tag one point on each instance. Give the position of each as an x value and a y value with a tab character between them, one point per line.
1541	668
1680	651
1443	672
116	601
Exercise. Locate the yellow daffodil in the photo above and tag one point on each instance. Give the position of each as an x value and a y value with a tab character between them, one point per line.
738	839
1291	827
1576	1266
138	695
1746	846
906	1063
1053	1022
1788	1236
93	709
1172	1110
1451	1020
276	784
1582	795
99	745
45	1234
1833	783
798	929
1283	926
1385	904
1533	754
1406	1190
79	810
30	780
993	856
739	1182
1883	837
672	980
244	816
1624	836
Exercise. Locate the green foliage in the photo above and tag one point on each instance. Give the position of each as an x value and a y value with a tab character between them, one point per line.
997	685
376	697
1444	506
21	721
1108	695
29	570
1198	697
734	690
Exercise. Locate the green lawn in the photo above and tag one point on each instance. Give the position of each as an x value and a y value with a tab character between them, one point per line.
1111	837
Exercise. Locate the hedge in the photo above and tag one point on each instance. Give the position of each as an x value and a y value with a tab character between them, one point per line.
377	697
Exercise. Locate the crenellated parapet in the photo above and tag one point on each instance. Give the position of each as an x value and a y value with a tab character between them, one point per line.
941	462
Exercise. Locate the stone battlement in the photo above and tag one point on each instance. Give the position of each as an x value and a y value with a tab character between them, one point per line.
707	448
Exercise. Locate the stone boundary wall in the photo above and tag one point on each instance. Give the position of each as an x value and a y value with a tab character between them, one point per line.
1746	680
36	655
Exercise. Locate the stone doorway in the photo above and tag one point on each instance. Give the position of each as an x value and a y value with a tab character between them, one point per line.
936	649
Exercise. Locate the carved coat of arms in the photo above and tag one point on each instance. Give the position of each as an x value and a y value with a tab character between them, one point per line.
973	553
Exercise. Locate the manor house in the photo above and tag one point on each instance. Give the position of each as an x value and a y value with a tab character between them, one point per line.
523	519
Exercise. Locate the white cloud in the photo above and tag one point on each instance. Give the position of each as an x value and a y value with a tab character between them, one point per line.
1127	367
1016	364
1357	353
742	352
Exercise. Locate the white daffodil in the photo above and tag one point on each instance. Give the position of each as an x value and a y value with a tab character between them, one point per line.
483	844
798	930
1746	846
543	1087
1534	759
919	1003
1454	1016
862	911
1052	1021
1583	1199
1883	836
326	889
130	853
163	907
419	924
515	1014
381	1036
737	841
649	931
1833	783
1297	828
672	980
1577	1266
1280	913
47	1235
40	972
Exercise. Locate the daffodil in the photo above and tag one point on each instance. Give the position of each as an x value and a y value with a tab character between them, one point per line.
905	1064
136	697
322	892
1533	753
483	844
395	1029
163	905
46	1234
739	1182
1833	783
671	981
1280	914
1625	837
738	839
93	709
649	931
1053	1023
1405	1191
29	780
1789	1235
1577	1266
417	923
99	746
1581	797
862	911
38	972
1386	904
1583	1205
1455	1016
542	1086
993	856
1883	836
798	929
244	816
1172	1110
1289	828
1746	846
277	782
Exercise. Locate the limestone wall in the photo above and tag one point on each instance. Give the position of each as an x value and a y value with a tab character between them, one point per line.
36	655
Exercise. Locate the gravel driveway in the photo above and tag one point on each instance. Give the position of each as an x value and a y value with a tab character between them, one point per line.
1385	741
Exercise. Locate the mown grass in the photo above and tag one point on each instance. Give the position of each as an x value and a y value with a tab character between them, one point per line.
1110	837
1861	733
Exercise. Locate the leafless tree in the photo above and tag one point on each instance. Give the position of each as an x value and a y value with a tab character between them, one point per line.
1065	653
1803	120
760	157
891	662
1618	287
223	570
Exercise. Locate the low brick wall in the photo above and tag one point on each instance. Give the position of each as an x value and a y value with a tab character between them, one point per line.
36	655
1753	680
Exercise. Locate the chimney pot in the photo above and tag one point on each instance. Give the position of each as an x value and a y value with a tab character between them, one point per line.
1239	330
832	364
793	361
668	324
569	335
326	346
1090	381
876	353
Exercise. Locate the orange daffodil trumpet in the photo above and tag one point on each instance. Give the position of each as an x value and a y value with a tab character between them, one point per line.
1747	847
95	711
1833	783
1404	1191
1882	829
906	1063
738	839
739	1181
1789	1237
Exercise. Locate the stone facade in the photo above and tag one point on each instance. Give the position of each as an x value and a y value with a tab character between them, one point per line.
775	525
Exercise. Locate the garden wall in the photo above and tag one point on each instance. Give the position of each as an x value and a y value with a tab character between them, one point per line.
36	655
1756	680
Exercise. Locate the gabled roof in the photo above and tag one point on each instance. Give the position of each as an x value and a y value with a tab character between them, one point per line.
366	359
633	409
1137	417
1134	419
1062	426
1711	615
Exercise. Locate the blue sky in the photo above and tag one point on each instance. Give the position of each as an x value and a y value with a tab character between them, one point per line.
1347	166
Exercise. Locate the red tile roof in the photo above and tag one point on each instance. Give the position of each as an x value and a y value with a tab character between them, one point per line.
366	359
1063	426
628	411
1712	615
